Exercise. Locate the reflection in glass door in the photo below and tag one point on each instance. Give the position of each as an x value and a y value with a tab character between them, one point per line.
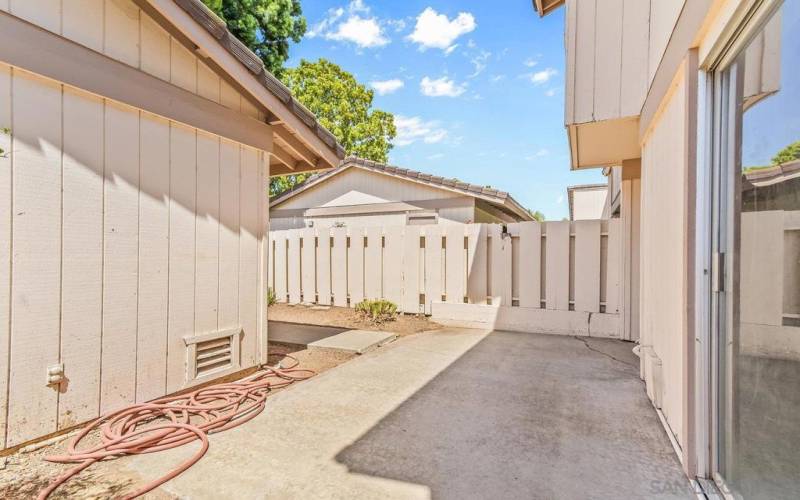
757	439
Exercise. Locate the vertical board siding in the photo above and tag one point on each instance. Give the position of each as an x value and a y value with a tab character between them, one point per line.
44	13
36	257
83	22
151	348
228	300
454	264
608	59
339	266
530	254
122	31
355	266
324	268
433	266
183	172
411	277
5	241
308	264
206	265
557	266
373	263
249	199
120	257
393	265
155	49
587	265
293	273
635	37
477	266
82	256
583	79
126	238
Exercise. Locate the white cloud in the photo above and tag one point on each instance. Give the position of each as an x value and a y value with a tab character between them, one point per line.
362	30
530	62
551	92
543	152
411	129
543	76
479	62
497	78
436	156
384	87
434	30
441	87
560	199
449	50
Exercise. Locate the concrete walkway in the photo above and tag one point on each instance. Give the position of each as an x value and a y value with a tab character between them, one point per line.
451	414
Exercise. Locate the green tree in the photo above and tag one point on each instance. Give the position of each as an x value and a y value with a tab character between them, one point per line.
789	153
278	185
265	26
344	107
537	215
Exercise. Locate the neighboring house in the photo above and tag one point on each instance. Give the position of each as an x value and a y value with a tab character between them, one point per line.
138	142
681	95
364	193
587	201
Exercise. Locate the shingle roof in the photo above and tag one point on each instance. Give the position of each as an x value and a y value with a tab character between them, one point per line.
219	30
487	193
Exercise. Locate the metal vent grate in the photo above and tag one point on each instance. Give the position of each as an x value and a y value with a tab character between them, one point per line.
212	356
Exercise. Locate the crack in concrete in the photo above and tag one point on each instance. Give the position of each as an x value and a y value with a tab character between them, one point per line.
586	343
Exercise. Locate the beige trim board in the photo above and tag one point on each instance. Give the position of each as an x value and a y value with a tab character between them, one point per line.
373	208
33	49
684	37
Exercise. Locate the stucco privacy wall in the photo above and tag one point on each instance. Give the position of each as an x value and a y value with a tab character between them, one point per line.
662	301
122	31
120	233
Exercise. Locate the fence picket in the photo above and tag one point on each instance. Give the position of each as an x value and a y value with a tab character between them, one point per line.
587	265
373	263
530	255
557	266
392	264
281	266
411	262
477	266
308	265
355	266
293	258
455	270
433	266
324	267
500	262
339	266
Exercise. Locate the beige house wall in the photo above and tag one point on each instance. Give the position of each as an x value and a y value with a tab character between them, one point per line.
123	233
662	258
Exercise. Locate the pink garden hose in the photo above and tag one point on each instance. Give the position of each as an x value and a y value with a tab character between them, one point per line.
173	421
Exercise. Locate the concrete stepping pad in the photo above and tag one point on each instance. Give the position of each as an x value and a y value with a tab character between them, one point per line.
356	341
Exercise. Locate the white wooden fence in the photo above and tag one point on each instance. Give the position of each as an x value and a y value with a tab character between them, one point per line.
562	266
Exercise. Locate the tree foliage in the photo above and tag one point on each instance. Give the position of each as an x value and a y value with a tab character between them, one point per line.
537	215
265	26
344	107
278	185
787	154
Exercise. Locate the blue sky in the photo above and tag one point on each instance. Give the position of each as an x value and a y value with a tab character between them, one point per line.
477	90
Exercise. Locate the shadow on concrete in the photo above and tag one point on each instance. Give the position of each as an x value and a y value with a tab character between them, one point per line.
527	416
300	333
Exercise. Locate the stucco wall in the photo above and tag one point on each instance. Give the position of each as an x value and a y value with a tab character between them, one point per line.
663	186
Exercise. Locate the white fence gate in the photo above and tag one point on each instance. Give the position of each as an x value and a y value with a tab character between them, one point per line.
513	271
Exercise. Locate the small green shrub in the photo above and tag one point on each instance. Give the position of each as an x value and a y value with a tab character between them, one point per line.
377	311
271	299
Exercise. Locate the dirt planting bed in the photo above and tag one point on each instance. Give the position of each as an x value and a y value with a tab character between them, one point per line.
344	317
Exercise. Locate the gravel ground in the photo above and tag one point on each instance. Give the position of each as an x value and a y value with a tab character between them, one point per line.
24	474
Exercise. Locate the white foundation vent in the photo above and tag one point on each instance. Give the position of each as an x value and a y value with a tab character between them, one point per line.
212	355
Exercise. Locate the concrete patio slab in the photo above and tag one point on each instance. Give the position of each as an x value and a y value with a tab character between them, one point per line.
357	341
300	334
456	414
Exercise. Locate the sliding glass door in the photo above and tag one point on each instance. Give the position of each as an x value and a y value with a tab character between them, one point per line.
756	269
